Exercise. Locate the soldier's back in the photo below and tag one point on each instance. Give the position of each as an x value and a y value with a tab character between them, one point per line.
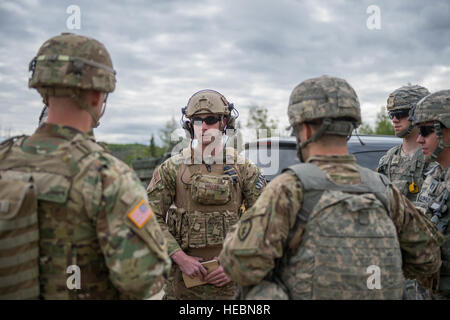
347	234
84	194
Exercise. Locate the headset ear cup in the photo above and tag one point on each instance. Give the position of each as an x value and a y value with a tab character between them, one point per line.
189	128
231	123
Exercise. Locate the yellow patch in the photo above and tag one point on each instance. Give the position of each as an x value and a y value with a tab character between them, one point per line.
413	188
141	214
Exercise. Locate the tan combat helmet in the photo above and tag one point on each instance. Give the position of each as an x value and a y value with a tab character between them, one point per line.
328	98
69	63
405	98
209	101
434	107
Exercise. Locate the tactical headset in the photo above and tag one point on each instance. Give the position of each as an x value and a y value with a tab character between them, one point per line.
186	124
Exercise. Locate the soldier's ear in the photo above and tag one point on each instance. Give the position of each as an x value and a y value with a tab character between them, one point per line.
446	134
94	98
307	130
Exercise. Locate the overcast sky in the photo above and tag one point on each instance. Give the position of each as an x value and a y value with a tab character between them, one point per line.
254	52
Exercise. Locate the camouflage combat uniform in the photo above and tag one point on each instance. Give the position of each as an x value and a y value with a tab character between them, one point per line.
250	255
75	222
406	172
436	189
403	170
318	230
202	218
434	199
85	196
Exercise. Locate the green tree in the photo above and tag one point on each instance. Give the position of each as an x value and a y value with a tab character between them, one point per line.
365	128
166	133
383	125
152	147
259	119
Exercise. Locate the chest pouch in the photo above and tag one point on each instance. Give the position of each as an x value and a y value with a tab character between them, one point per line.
19	238
206	229
211	190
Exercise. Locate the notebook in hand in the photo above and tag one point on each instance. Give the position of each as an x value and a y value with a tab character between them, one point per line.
210	266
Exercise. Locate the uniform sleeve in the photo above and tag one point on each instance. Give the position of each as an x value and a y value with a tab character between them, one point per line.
129	235
419	239
258	239
253	183
381	164
161	195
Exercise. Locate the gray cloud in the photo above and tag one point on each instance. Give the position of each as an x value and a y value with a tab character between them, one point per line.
254	52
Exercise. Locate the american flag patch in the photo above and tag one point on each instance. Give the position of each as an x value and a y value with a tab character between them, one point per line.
141	214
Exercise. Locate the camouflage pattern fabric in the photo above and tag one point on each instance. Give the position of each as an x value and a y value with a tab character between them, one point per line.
266	290
176	290
19	237
162	193
414	291
330	99
434	189
257	241
74	61
434	107
403	170
406	97
94	213
346	234
69	64
323	97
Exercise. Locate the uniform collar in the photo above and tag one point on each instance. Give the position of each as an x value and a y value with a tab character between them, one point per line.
344	159
57	131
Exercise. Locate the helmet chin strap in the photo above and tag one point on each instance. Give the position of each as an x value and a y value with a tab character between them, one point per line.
299	150
441	145
325	124
328	126
85	106
404	133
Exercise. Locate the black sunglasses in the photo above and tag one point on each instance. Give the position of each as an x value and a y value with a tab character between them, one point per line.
399	114
426	130
208	120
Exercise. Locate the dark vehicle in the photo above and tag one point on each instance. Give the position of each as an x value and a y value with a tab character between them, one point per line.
263	152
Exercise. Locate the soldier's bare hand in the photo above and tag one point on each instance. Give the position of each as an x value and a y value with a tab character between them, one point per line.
189	265
218	277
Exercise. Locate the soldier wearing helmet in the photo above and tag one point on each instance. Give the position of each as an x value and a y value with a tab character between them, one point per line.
432	117
67	205
197	195
405	165
321	228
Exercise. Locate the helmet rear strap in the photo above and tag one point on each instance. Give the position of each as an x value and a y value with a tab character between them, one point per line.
440	137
